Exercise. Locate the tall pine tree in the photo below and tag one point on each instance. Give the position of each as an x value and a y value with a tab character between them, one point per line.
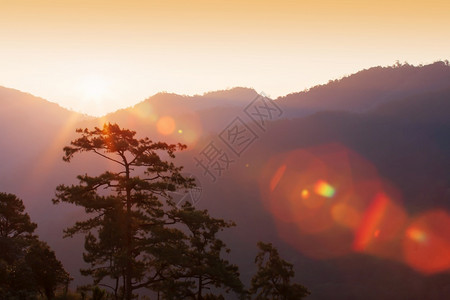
128	218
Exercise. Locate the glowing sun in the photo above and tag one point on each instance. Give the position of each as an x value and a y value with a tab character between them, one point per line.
94	87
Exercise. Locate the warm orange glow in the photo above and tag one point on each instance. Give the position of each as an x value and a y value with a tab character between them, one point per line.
94	87
380	231
349	209
346	215
312	202
416	234
371	222
305	194
427	242
276	177
116	40
324	189
46	161
189	129
318	202
165	125
146	112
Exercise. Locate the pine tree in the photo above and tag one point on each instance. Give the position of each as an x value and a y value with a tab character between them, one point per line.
201	264
128	234
27	266
273	278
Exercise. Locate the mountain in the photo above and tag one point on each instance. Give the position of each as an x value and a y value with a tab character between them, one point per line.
366	89
205	114
400	148
29	126
382	129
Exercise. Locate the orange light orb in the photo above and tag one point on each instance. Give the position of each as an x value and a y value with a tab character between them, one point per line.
305	194
166	125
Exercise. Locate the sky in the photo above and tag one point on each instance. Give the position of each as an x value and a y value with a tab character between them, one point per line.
98	56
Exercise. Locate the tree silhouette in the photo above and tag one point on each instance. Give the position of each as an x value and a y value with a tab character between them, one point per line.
28	266
14	222
128	219
273	278
48	272
200	264
16	232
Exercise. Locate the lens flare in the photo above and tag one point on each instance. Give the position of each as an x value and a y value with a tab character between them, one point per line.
165	125
315	197
346	215
370	223
305	194
327	201
277	177
145	112
416	235
189	130
324	189
380	230
427	242
312	203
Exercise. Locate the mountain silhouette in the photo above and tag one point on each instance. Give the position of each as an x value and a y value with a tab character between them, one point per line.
389	123
368	88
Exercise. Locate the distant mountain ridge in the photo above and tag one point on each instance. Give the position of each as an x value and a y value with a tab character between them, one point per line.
396	118
360	91
366	89
29	124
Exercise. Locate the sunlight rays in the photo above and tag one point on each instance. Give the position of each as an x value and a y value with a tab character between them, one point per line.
45	162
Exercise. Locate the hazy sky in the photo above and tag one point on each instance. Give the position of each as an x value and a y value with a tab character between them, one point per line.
97	56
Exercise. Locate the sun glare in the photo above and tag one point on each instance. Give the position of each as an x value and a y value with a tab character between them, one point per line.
94	87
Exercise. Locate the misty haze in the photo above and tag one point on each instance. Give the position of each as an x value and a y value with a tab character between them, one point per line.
201	150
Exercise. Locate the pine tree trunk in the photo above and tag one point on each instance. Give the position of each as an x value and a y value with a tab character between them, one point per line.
200	285
129	266
49	293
